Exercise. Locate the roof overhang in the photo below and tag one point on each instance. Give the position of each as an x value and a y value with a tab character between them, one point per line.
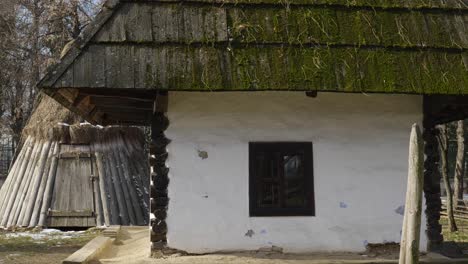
133	49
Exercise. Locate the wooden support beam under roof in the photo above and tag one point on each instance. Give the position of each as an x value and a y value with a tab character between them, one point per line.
105	107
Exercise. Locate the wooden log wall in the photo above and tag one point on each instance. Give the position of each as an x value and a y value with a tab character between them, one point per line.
73	183
437	110
159	173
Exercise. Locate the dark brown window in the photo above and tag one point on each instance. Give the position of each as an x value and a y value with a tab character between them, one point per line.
281	179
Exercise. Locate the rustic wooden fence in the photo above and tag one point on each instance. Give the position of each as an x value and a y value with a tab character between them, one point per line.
460	211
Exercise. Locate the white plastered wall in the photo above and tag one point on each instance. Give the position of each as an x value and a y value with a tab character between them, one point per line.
360	168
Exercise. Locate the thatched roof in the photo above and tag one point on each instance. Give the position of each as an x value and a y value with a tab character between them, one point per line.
385	46
49	118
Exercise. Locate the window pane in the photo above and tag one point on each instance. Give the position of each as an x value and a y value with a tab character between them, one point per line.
294	181
268	179
270	195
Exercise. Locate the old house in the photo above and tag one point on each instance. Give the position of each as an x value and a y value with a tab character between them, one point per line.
70	174
275	122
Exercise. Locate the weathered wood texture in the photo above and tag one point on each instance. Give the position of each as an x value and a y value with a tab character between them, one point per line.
410	237
59	184
416	47
385	4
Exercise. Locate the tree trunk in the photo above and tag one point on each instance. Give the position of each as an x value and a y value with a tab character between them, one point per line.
442	138
460	163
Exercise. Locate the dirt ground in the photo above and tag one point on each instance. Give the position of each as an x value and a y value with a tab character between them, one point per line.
134	248
41	246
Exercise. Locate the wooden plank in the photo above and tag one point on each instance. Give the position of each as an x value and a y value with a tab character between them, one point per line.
74	155
74	191
76	213
112	199
98	204
75	50
48	192
88	71
103	188
119	67
131	23
188	24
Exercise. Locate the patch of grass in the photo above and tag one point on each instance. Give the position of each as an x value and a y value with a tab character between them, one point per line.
9	242
461	236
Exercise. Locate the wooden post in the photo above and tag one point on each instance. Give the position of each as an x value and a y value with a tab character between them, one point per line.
409	247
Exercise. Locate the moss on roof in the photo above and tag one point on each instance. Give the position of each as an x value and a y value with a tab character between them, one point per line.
387	46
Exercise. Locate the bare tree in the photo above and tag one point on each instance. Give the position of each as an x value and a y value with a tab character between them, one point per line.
460	163
31	39
442	140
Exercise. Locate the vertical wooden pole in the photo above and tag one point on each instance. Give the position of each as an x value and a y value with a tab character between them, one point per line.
111	195
118	186
131	185
16	184
12	176
49	186
40	192
36	179
17	205
409	247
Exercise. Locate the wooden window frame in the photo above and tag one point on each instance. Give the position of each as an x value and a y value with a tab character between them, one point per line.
307	149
